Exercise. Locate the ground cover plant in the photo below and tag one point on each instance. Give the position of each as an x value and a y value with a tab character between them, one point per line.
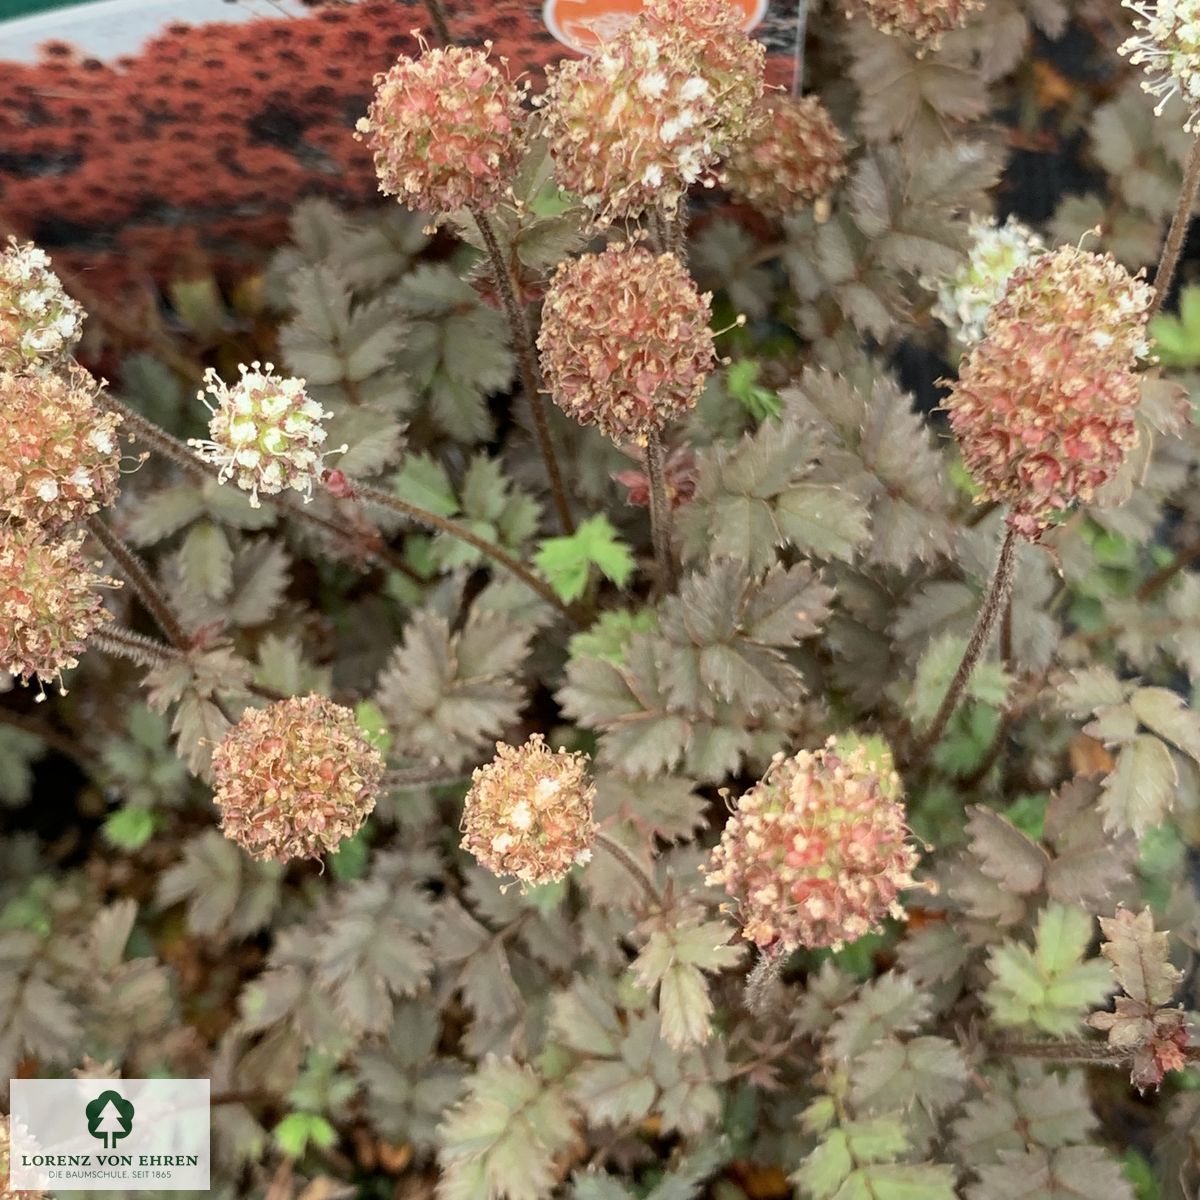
657	660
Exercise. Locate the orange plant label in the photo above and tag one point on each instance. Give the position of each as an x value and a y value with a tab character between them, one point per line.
582	24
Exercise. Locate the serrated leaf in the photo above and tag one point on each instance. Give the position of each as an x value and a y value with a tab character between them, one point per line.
1140	957
823	520
1167	714
1139	792
567	561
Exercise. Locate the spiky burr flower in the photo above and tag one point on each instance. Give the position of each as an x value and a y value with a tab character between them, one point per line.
59	456
965	299
39	322
265	433
529	812
796	155
625	342
1167	45
445	129
295	778
817	853
924	21
50	598
632	126
1044	405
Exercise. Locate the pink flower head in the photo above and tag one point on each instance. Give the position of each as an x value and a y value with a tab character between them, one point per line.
59	457
632	126
1044	405
529	812
295	778
50	599
446	130
924	21
816	854
796	155
625	342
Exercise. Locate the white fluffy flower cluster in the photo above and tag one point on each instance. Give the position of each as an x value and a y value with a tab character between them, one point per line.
265	433
39	322
965	299
1167	44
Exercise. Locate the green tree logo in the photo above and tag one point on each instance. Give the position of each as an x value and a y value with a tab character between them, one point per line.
109	1118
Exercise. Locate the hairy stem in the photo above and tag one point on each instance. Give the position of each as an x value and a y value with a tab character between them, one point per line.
1100	1054
1159	580
159	440
1173	246
139	578
437	15
660	512
526	352
993	604
635	868
760	983
124	643
431	520
414	777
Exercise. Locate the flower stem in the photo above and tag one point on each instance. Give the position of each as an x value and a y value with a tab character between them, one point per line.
526	352
660	512
1173	246
1101	1054
631	864
993	604
442	524
124	643
373	548
437	15
760	982
140	580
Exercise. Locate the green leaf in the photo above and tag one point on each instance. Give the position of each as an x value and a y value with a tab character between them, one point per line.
608	637
822	519
423	481
206	560
1139	792
741	381
505	1139
373	723
130	828
1051	986
298	1130
566	561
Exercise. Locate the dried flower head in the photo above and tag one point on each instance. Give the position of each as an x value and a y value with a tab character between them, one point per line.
59	455
295	778
817	853
7	1192
1167	44
529	812
625	342
50	599
795	156
445	129
265	433
652	110
967	297
925	21
1044	405
39	322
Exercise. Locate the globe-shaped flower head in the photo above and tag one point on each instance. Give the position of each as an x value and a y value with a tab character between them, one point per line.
1044	405
295	778
796	155
7	1191
59	456
39	322
816	854
265	433
529	812
924	21
967	297
625	342
446	130
632	126
50	598
1167	45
